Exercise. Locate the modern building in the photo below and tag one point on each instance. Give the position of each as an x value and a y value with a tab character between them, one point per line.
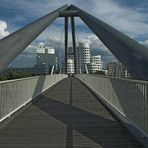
70	54
111	69
96	63
70	61
84	59
82	56
70	66
45	59
116	69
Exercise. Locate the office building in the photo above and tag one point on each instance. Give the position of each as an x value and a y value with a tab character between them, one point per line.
116	69
45	59
70	66
96	63
83	57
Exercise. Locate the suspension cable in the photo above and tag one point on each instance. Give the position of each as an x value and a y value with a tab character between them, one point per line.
59	43
77	37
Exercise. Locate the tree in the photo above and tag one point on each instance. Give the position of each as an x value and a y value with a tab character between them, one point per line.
100	73
14	75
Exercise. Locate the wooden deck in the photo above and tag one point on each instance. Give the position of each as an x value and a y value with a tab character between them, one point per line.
66	116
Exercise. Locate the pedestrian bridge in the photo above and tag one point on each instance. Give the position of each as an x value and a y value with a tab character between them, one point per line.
70	114
86	111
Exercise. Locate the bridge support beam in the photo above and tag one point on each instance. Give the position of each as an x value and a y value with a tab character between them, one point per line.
66	42
74	42
15	43
69	13
129	52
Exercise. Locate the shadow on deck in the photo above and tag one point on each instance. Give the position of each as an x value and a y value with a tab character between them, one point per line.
66	116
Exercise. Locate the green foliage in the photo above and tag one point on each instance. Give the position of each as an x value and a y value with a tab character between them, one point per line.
56	71
100	73
14	75
3	78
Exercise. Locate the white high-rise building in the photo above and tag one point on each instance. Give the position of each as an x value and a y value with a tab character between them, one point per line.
70	61
82	56
45	58
84	59
96	63
70	66
70	53
45	55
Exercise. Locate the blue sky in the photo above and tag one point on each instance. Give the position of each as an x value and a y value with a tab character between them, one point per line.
128	16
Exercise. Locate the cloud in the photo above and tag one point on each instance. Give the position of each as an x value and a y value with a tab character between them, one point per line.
144	43
128	20
98	48
26	59
42	44
3	29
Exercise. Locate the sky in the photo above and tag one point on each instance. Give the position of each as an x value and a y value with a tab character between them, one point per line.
128	16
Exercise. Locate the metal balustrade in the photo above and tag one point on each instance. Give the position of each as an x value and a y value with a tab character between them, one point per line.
128	99
16	93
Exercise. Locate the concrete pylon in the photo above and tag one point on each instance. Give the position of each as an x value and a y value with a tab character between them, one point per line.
130	53
15	43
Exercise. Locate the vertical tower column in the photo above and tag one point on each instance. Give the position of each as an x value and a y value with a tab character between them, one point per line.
66	42
130	53
74	42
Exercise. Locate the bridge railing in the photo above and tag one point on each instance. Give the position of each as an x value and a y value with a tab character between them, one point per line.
128	99
16	93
